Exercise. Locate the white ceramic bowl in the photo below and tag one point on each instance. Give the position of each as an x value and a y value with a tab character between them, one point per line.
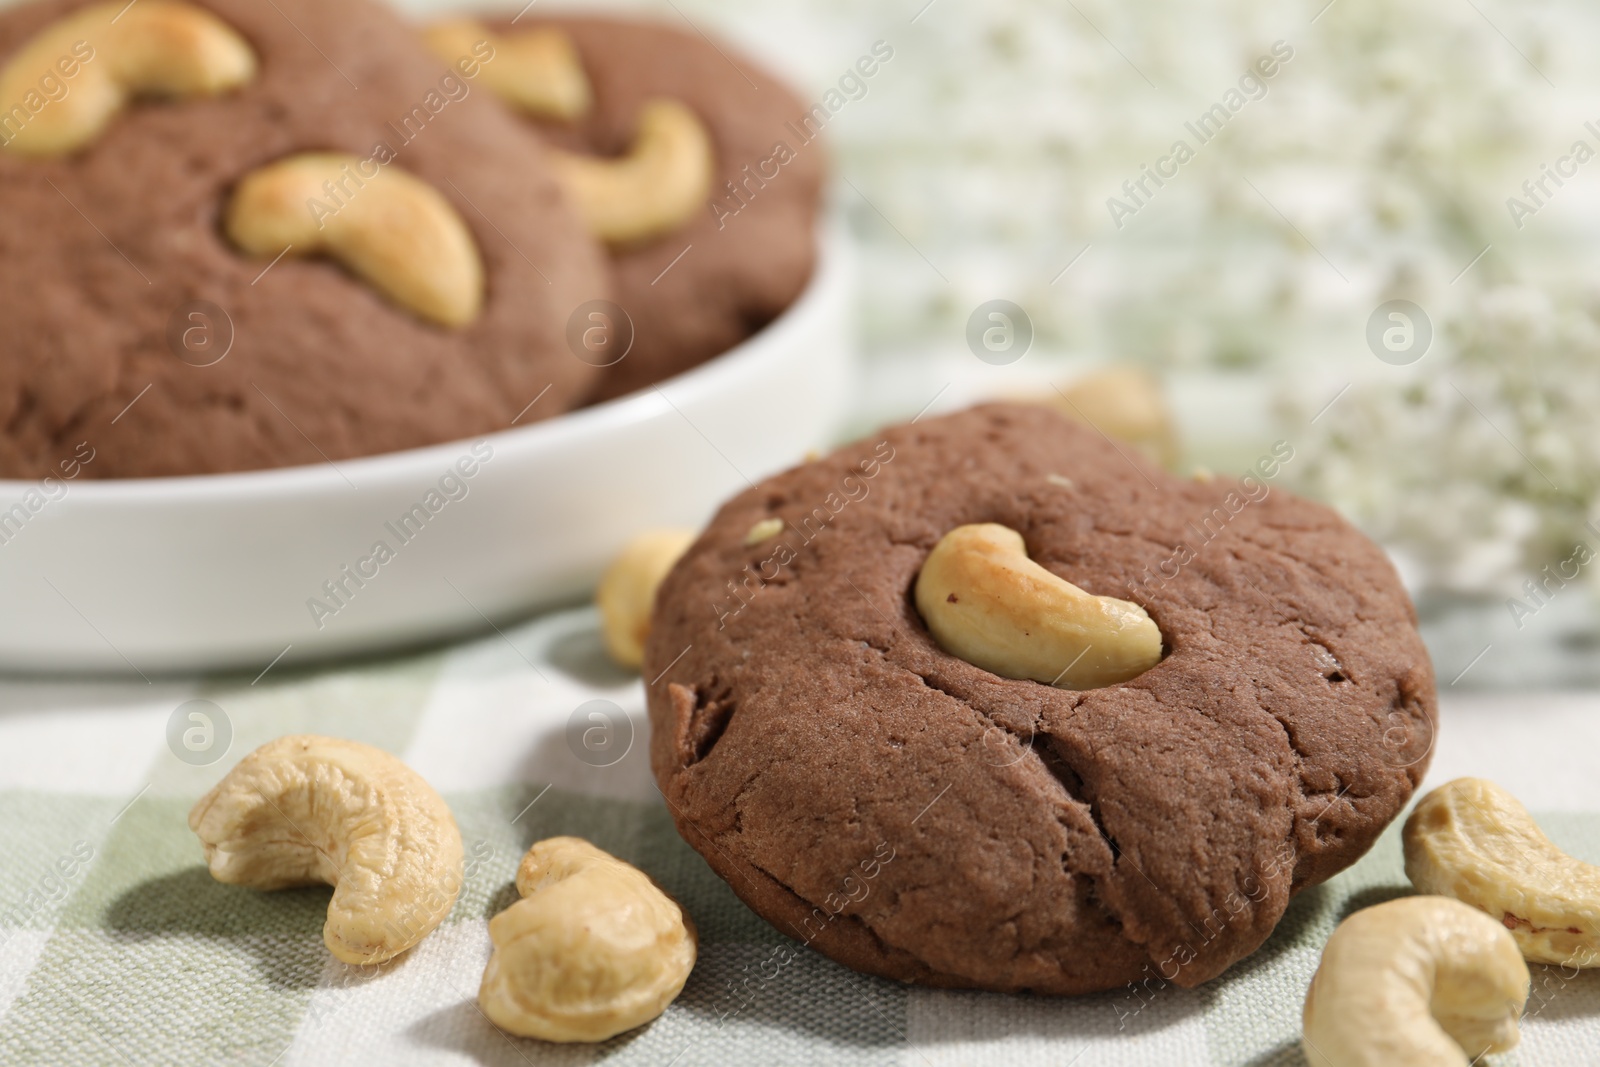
225	570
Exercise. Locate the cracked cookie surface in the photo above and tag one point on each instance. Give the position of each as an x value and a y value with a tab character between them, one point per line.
805	724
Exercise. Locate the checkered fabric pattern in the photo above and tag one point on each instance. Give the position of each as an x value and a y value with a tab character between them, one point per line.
117	947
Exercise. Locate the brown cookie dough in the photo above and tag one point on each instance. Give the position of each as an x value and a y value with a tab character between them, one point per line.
913	816
107	250
748	256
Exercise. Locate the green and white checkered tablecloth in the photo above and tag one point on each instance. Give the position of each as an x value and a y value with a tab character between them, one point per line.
117	947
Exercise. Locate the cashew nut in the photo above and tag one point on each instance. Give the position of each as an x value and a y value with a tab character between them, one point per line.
106	55
593	948
652	190
389	228
648	192
1416	982
986	602
1471	840
627	592
537	71
1125	403
308	810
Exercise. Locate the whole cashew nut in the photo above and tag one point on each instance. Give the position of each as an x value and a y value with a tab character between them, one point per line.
986	602
627	592
652	190
537	71
593	948
1471	840
1125	403
1416	982
116	53
308	810
389	228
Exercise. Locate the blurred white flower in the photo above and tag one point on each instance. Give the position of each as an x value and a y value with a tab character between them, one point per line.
1485	468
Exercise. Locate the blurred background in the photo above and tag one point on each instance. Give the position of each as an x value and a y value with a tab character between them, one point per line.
1377	247
1437	152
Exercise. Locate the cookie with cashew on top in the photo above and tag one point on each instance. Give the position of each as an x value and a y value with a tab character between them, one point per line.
990	701
249	235
700	170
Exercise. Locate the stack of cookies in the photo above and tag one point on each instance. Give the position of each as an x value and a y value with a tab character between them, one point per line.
250	236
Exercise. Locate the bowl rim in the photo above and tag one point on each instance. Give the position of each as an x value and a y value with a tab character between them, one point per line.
404	464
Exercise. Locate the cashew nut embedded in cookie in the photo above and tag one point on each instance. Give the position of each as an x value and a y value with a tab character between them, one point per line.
537	71
763	530
627	592
986	602
115	52
652	190
1416	982
388	227
1471	840
308	810
593	948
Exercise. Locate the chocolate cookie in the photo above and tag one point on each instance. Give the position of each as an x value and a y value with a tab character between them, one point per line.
747	247
137	324
914	816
